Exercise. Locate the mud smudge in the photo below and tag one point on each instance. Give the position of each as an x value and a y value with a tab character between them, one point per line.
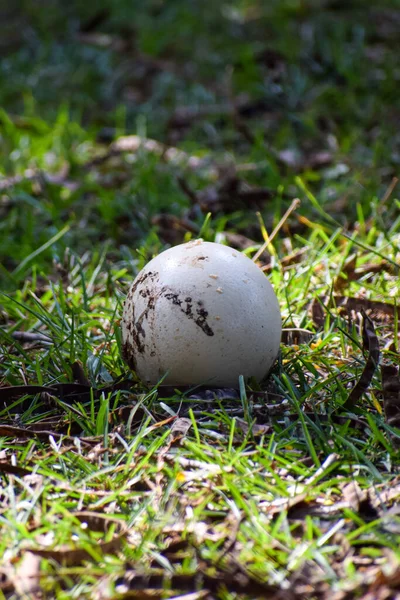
198	315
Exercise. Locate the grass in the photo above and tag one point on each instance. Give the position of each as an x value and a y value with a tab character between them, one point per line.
278	490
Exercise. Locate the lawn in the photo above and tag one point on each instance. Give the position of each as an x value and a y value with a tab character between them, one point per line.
130	127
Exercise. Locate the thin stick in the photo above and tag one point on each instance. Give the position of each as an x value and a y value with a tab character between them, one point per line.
295	204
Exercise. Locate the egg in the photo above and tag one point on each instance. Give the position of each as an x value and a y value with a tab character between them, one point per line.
201	314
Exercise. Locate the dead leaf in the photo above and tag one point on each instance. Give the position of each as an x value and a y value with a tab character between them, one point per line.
300	160
35	431
229	194
237	583
300	501
288	261
388	576
185	116
208	395
30	337
179	430
94	522
391	397
7	467
169	154
242	242
255	428
318	312
67	392
79	375
172	229
378	311
97	18
361	501
371	346
40	178
104	40
346	275
26	577
353	495
293	336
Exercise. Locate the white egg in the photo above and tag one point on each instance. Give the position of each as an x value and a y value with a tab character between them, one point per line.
201	313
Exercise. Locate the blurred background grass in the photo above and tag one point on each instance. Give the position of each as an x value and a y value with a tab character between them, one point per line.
294	88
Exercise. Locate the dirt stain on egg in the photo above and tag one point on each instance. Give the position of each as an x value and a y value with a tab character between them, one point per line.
198	314
194	261
134	344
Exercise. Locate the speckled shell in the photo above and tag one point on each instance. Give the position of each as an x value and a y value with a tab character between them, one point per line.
204	314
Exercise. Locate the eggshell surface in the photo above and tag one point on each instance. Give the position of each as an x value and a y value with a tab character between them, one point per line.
201	313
